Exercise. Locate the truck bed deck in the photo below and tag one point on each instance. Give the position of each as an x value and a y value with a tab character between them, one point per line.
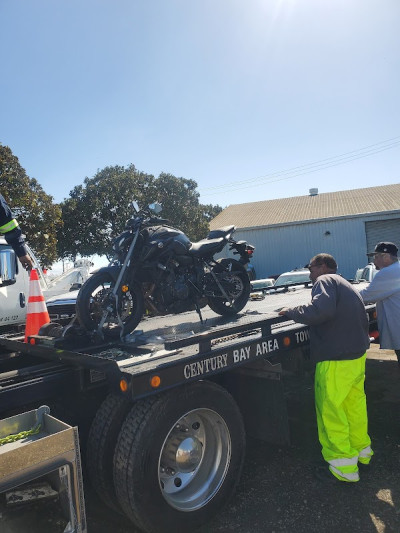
163	353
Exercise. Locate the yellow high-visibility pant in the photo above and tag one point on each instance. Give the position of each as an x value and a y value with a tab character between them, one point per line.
342	418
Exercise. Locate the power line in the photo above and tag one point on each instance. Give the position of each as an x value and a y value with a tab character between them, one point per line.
309	168
307	171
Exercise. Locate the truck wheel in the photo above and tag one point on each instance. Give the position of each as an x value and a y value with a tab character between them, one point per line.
101	445
179	457
236	283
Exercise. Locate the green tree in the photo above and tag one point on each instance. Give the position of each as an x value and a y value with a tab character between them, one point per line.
211	211
181	207
96	211
35	211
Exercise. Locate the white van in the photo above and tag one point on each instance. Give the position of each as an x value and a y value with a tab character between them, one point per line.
14	285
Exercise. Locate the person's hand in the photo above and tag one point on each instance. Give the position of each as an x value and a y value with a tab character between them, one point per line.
283	311
26	262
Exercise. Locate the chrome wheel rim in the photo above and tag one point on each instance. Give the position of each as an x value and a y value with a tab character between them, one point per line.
194	459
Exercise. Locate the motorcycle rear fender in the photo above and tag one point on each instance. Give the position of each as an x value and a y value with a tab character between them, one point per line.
241	248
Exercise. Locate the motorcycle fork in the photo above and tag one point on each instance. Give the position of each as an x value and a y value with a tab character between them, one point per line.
115	292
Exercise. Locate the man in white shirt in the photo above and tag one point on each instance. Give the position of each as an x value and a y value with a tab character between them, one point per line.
384	290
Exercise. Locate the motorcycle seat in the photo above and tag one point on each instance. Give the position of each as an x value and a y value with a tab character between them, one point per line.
220	232
206	247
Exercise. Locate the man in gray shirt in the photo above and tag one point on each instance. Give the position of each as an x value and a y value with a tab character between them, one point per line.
338	342
384	290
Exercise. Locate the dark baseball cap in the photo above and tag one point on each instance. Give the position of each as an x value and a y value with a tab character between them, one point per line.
385	248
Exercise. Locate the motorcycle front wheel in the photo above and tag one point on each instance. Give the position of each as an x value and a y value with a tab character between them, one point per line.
236	284
95	297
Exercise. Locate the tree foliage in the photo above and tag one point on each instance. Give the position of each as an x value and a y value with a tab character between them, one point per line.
96	211
211	211
35	211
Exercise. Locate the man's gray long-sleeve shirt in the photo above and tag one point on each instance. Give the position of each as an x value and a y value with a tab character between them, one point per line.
337	318
384	290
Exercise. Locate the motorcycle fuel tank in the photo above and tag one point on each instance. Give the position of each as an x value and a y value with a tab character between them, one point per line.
173	238
163	238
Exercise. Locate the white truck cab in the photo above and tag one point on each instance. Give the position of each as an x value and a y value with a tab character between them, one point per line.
14	287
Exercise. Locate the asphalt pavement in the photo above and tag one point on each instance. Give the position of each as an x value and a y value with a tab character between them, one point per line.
279	492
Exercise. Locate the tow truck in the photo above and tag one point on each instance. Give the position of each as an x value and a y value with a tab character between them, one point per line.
164	414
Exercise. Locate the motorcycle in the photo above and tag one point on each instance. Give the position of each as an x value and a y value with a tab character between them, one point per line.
157	270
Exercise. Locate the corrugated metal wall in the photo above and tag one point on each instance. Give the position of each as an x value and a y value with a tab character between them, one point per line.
382	230
283	248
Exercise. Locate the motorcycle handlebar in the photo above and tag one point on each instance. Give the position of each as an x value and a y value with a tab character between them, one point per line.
145	220
159	220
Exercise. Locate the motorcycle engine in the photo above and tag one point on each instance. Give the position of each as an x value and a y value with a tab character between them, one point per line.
177	291
180	288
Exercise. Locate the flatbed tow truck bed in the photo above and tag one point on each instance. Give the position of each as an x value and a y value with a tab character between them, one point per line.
180	391
175	353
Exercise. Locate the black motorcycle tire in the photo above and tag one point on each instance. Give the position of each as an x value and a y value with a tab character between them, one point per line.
220	305
89	316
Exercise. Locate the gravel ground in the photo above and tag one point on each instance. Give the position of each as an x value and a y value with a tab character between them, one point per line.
278	492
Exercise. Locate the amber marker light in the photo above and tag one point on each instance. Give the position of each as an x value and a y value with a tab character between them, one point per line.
155	381
124	288
286	341
123	385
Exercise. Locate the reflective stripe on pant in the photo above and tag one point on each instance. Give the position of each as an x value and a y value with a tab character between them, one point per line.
365	455
342	415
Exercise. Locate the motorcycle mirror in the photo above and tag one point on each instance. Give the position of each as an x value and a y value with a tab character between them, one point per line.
156	208
135	206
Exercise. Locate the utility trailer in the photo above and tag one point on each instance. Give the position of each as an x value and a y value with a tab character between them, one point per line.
170	407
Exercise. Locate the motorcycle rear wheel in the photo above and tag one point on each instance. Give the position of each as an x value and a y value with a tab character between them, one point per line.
93	299
239	290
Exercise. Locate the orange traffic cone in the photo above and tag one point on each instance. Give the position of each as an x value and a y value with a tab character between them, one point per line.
37	314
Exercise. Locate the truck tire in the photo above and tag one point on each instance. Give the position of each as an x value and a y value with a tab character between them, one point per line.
101	444
179	457
93	298
237	279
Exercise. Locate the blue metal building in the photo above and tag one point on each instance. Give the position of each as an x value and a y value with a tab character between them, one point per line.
287	232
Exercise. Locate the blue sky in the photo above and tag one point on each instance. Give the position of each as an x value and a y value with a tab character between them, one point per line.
231	93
